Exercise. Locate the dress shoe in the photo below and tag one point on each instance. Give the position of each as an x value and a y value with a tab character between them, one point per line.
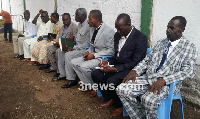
49	71
21	57
93	93
36	64
26	59
107	103
33	62
17	56
58	78
56	75
69	84
117	112
46	66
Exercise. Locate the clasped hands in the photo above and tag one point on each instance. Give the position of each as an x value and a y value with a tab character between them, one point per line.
155	87
106	67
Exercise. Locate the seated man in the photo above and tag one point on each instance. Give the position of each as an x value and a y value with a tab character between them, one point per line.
101	44
82	40
39	50
130	47
30	30
171	60
44	27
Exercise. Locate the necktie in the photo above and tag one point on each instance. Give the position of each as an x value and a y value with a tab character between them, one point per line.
164	57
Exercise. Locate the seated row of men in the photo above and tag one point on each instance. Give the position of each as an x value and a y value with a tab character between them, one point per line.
170	60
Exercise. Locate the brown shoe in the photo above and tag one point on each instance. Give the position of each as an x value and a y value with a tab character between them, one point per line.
107	104
117	112
33	62
93	93
26	59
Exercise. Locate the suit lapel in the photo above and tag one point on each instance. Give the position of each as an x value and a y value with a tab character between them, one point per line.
175	52
130	38
99	33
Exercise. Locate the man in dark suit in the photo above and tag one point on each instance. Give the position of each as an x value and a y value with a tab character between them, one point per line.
130	47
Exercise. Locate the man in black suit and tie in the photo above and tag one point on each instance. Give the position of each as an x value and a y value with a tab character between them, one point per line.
130	47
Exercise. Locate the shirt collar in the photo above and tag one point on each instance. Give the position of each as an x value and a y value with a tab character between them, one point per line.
57	23
174	43
98	27
84	22
128	33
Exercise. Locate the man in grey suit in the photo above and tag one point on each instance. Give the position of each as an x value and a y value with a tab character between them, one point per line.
101	44
82	40
171	60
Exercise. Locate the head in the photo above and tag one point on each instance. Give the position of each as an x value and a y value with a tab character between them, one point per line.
26	15
54	17
66	19
123	24
80	15
45	16
175	28
94	18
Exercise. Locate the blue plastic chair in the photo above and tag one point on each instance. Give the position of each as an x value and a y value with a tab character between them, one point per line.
86	48
165	108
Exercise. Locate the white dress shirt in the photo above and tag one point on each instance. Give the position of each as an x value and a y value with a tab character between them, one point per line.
122	41
30	28
173	44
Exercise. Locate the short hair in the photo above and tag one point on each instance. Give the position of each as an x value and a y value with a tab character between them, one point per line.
125	17
97	14
55	15
67	15
181	19
81	11
45	12
27	11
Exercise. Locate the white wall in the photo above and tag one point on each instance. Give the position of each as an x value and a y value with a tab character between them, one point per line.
164	10
110	9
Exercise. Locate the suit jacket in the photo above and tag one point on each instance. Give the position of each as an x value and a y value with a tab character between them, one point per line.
72	30
83	36
178	66
133	51
103	43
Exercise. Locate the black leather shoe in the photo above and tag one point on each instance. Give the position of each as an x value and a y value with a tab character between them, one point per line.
17	56
58	78
56	75
21	57
49	71
46	66
69	84
36	64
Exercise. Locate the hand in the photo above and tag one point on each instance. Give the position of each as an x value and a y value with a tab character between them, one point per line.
85	55
90	56
40	38
131	75
103	63
57	44
40	12
156	86
71	37
108	69
70	49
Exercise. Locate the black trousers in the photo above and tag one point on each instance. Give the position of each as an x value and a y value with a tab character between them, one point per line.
101	78
8	27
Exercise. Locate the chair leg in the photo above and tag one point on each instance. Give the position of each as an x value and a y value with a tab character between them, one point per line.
181	108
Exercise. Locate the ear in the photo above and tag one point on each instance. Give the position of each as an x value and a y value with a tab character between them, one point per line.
182	29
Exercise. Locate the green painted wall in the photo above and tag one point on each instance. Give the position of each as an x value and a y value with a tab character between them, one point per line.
146	14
